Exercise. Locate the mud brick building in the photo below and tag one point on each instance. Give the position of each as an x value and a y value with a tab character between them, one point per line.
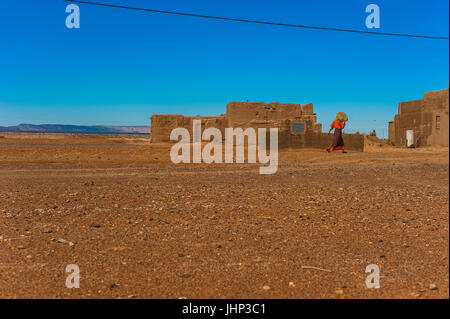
427	118
297	124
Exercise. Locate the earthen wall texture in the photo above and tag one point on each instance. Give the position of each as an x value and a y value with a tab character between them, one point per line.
319	140
259	115
422	116
162	125
243	115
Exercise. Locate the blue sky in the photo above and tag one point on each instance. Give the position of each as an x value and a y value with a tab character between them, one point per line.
121	66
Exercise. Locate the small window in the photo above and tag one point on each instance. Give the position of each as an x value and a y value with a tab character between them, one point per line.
298	127
438	122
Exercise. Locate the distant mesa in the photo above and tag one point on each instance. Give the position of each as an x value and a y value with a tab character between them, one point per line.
77	129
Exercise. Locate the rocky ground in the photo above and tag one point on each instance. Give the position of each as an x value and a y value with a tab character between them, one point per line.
139	226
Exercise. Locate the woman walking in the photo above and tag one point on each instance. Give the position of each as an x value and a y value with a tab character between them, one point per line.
338	125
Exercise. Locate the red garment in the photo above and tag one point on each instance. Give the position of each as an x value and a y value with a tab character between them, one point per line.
337	124
336	148
338	142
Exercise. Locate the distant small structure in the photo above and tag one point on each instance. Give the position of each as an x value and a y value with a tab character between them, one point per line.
422	122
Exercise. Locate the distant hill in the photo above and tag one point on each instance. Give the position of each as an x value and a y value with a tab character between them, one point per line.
56	128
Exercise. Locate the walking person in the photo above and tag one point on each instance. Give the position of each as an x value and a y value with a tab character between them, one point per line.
338	125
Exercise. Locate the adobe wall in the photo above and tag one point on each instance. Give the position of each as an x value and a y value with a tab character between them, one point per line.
421	116
391	131
243	115
162	125
437	104
319	140
259	115
279	115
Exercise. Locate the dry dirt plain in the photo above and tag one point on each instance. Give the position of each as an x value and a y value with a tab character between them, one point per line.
139	226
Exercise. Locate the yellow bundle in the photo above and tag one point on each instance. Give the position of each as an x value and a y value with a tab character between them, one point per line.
342	116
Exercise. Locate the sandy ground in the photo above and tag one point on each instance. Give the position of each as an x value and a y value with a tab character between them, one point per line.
139	226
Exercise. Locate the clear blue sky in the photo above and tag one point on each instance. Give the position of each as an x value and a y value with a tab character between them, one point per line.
121	66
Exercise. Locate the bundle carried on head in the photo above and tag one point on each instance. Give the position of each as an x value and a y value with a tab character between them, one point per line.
342	116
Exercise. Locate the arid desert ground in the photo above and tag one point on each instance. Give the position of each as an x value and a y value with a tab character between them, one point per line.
139	226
